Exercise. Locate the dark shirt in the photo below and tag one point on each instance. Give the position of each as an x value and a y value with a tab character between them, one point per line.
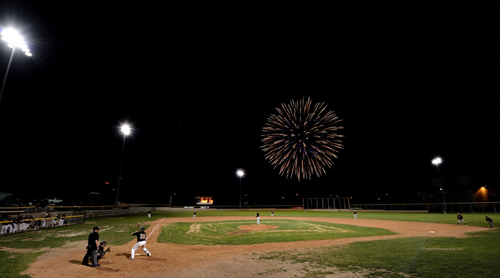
460	217
141	236
101	249
92	238
489	219
258	215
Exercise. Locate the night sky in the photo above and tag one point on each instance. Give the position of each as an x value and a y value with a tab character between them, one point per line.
198	80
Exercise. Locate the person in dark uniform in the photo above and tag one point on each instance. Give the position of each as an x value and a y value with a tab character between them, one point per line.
490	221
93	242
460	218
194	215
100	251
258	217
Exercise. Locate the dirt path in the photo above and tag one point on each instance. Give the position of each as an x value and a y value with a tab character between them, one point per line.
183	261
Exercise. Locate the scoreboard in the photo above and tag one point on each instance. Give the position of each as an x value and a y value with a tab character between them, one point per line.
204	200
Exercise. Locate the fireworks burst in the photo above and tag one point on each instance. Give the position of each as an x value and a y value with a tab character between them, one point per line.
302	140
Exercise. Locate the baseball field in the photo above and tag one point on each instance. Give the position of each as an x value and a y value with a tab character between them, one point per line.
290	244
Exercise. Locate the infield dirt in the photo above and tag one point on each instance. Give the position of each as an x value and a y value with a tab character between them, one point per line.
183	261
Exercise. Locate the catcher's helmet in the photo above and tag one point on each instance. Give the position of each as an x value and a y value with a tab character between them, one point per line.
103	242
142	228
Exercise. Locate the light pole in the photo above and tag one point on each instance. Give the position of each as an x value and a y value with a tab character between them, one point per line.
436	161
240	173
14	40
126	131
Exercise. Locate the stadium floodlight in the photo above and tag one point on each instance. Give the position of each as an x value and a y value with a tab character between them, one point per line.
125	129
436	161
13	40
240	173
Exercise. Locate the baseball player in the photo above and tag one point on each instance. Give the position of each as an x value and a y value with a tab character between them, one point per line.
258	217
490	221
6	226
100	251
44	220
141	241
15	225
272	213
92	244
194	215
53	221
460	218
355	215
23	224
149	214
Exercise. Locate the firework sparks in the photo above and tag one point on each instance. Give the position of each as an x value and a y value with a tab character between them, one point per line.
302	140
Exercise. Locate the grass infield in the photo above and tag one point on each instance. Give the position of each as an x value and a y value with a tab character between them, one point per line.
476	256
226	232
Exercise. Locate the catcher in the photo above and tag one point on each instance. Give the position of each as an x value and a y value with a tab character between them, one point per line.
100	250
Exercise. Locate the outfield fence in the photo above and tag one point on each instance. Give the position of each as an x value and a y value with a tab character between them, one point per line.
467	207
338	203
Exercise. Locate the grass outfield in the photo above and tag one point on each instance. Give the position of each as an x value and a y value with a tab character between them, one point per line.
476	256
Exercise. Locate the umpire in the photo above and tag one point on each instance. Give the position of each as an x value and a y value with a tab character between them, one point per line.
93	243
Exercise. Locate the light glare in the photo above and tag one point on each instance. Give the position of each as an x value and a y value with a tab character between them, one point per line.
436	161
240	173
14	40
126	129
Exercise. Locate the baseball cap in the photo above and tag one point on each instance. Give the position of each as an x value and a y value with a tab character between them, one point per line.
97	228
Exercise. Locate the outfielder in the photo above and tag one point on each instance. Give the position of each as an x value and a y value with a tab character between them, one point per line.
141	241
258	218
460	218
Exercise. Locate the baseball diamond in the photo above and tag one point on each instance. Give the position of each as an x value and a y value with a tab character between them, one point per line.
198	259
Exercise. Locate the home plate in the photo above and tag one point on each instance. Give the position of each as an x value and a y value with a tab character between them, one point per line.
432	232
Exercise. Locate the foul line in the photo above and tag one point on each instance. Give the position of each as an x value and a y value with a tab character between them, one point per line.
156	226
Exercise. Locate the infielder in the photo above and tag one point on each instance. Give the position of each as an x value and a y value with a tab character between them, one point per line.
272	213
194	215
141	241
258	217
460	218
355	215
490	221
